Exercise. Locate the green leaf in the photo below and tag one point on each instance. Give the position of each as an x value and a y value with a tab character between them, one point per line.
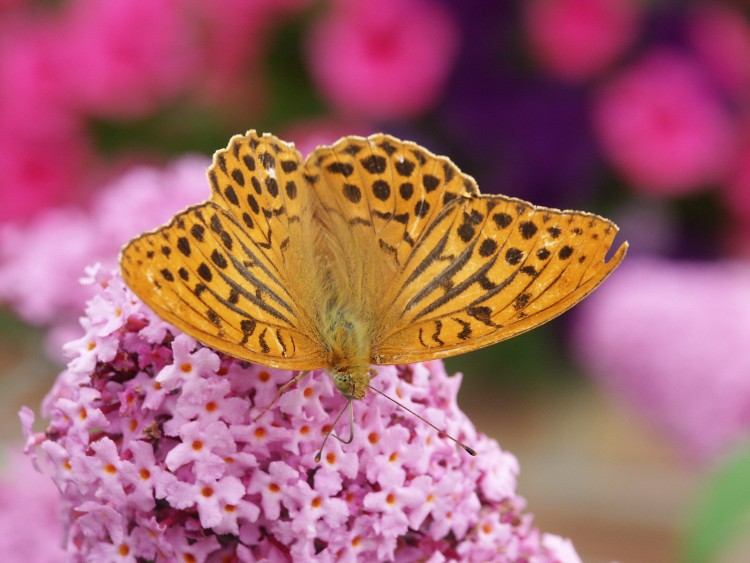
722	511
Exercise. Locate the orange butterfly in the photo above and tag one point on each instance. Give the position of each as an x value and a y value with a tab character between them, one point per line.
370	251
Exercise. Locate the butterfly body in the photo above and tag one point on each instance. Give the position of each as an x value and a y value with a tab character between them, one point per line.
346	340
370	251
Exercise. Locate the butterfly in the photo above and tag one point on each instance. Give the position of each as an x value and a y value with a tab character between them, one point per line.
369	251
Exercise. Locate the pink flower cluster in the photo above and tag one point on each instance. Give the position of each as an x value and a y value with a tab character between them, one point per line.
575	39
152	445
671	339
383	59
28	513
662	124
60	243
667	120
113	61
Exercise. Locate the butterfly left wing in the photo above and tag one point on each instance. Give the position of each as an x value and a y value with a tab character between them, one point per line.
224	271
487	268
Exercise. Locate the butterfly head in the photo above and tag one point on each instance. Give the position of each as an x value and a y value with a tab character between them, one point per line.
352	385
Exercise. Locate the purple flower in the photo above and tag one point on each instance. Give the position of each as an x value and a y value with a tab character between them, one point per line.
671	339
156	455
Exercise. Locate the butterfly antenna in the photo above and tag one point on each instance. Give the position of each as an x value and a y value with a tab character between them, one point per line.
280	391
330	432
427	422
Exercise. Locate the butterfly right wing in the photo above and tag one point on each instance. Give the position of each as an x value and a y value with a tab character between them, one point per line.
488	268
222	271
454	270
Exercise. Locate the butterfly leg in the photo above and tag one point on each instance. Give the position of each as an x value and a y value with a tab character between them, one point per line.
351	425
330	432
280	392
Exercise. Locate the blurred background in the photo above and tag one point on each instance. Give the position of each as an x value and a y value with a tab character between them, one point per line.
630	415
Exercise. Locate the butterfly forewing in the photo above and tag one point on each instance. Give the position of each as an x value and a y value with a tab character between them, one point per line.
220	271
491	267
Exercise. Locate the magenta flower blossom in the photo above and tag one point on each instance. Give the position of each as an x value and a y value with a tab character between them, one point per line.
311	133
576	39
31	255
720	36
736	191
383	59
42	144
671	340
152	443
663	127
112	70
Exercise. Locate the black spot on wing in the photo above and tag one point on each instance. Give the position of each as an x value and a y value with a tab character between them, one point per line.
502	220
289	166
205	272
198	232
483	315
404	167
465	333
430	182
381	190
487	248
267	160
374	164
352	193
231	195
238	176
344	168
528	229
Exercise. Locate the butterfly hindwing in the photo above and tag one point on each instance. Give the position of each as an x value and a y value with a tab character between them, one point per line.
386	187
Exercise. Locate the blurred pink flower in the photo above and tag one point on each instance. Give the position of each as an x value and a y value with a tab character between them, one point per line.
720	36
312	133
202	481
122	58
38	170
661	125
233	36
575	39
671	340
28	513
382	59
736	191
11	4
60	243
43	147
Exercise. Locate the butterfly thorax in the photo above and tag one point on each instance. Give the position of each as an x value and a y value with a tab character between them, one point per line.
347	343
